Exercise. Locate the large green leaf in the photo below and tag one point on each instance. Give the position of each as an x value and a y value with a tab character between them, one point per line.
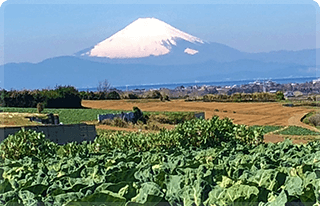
100	198
264	178
277	200
93	173
5	186
36	189
293	186
10	196
237	193
149	193
64	198
28	198
174	188
124	189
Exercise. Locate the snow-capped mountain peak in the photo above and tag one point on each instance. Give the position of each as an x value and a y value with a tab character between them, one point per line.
142	38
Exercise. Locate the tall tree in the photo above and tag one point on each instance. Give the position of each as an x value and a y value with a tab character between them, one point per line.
104	86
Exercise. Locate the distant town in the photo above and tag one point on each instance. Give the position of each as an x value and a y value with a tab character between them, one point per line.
289	89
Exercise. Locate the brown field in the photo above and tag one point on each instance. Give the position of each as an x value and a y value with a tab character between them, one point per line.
240	113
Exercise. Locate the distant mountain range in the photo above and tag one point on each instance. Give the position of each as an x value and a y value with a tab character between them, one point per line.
150	51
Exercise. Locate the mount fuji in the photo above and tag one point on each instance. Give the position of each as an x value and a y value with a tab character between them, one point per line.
152	41
142	38
150	51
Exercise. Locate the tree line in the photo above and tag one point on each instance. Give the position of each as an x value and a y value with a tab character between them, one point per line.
60	97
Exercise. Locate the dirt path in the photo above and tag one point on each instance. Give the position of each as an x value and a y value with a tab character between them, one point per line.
240	113
293	121
295	138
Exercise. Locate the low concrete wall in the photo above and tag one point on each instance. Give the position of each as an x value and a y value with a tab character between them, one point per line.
59	134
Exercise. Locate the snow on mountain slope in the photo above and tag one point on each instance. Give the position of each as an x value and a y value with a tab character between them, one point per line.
190	51
142	38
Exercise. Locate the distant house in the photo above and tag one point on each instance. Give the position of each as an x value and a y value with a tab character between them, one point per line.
223	90
203	88
316	81
289	94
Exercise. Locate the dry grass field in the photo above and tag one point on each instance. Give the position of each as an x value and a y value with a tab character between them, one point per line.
240	113
18	119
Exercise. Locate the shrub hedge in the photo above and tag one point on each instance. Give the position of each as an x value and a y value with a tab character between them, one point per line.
244	97
60	97
99	95
315	120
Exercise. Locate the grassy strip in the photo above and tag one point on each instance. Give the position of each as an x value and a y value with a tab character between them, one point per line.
267	128
312	119
305	119
302	103
170	113
74	116
66	116
170	117
294	130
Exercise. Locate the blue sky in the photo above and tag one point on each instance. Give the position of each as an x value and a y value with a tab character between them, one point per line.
32	31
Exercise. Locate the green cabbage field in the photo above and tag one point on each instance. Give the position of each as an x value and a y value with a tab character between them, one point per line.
200	162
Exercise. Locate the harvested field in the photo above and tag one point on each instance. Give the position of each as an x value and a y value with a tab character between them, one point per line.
240	113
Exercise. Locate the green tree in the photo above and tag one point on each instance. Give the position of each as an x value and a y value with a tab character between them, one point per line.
113	95
280	95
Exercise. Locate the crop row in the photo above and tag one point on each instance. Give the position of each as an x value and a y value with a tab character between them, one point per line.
295	130
66	116
200	162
